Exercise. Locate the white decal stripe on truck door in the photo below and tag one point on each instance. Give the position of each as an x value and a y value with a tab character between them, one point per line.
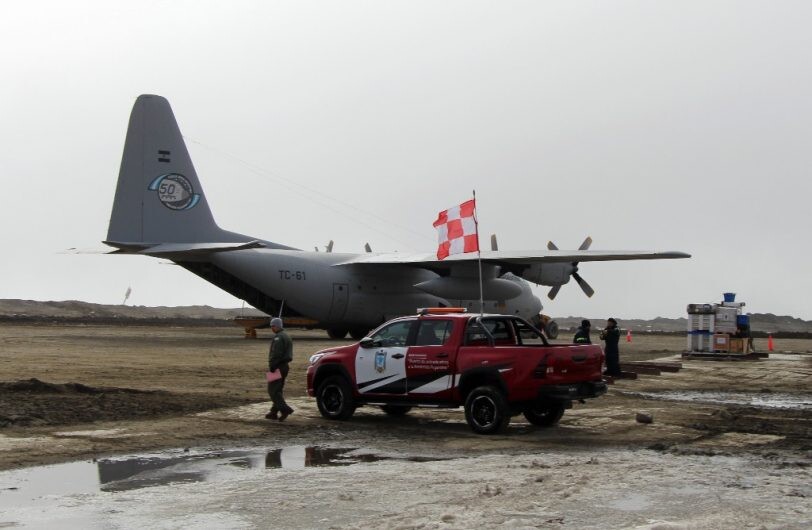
438	385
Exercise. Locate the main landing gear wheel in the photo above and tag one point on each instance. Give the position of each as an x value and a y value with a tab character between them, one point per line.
334	398
337	333
544	414
551	330
358	334
487	410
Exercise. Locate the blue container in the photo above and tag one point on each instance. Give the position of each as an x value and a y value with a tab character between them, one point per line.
743	320
729	297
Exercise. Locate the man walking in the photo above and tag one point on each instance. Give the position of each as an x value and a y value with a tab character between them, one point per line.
279	357
611	336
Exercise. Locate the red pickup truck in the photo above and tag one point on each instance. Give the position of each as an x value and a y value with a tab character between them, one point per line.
496	366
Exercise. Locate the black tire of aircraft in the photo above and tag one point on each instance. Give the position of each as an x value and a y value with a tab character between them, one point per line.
337	333
544	414
334	398
358	333
487	410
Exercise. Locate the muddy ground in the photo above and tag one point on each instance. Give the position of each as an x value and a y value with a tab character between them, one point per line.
74	392
54	379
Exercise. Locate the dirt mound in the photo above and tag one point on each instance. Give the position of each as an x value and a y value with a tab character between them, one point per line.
31	403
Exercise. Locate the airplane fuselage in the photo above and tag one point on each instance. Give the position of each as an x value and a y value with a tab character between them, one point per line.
317	286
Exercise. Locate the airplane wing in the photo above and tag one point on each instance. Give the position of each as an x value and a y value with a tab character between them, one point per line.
509	257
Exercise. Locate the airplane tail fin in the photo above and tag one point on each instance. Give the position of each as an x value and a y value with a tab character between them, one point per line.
159	198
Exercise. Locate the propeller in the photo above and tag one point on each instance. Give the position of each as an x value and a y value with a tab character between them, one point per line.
585	287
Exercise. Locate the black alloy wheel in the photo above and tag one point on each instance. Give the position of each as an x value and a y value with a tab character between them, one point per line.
334	398
486	410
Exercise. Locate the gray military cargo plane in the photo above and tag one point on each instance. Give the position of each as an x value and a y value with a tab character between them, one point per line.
160	210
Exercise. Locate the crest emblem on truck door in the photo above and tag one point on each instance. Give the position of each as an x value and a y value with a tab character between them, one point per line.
380	361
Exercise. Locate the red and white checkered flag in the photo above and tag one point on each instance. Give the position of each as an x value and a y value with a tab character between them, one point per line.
457	230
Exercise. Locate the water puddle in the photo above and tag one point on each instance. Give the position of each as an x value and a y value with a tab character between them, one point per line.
632	503
790	356
767	400
34	486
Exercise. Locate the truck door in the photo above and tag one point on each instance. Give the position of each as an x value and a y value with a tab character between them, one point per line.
429	368
381	369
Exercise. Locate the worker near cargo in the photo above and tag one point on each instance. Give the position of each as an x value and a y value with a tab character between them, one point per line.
611	337
279	357
582	333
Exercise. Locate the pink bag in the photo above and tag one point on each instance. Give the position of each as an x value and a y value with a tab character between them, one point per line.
273	376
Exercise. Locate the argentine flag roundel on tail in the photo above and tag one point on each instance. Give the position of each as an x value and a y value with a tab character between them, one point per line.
457	230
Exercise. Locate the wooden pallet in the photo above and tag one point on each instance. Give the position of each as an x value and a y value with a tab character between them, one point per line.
708	356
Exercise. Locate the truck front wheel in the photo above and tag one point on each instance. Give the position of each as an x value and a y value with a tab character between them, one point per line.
487	410
544	414
334	398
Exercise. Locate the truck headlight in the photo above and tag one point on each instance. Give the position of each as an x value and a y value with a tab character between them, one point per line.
316	356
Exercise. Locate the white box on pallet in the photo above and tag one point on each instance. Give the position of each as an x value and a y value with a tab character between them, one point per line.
700	342
701	322
725	321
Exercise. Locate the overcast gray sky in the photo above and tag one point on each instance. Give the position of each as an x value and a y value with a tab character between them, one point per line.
647	125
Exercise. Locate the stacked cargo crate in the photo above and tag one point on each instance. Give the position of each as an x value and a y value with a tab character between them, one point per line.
711	327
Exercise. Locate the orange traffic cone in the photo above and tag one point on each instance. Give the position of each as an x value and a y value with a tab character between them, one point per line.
769	342
628	335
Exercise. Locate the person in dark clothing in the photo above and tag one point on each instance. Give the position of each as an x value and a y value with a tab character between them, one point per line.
611	337
279	356
582	333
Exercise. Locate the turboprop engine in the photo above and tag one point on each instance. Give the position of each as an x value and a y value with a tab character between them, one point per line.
452	288
464	280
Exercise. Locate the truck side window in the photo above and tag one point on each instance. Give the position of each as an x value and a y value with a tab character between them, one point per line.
527	335
433	332
500	331
498	328
475	335
395	334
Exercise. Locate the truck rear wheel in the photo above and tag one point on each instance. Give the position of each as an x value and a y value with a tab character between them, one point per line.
487	410
334	398
544	414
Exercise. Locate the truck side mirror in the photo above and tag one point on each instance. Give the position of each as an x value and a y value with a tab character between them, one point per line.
368	342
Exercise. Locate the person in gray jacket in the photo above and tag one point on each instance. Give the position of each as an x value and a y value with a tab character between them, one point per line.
279	356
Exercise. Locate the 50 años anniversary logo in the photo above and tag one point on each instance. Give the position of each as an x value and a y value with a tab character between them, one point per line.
175	191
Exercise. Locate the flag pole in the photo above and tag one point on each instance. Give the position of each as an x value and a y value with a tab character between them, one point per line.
478	258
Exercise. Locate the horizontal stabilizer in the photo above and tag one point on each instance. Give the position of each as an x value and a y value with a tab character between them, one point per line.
182	249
